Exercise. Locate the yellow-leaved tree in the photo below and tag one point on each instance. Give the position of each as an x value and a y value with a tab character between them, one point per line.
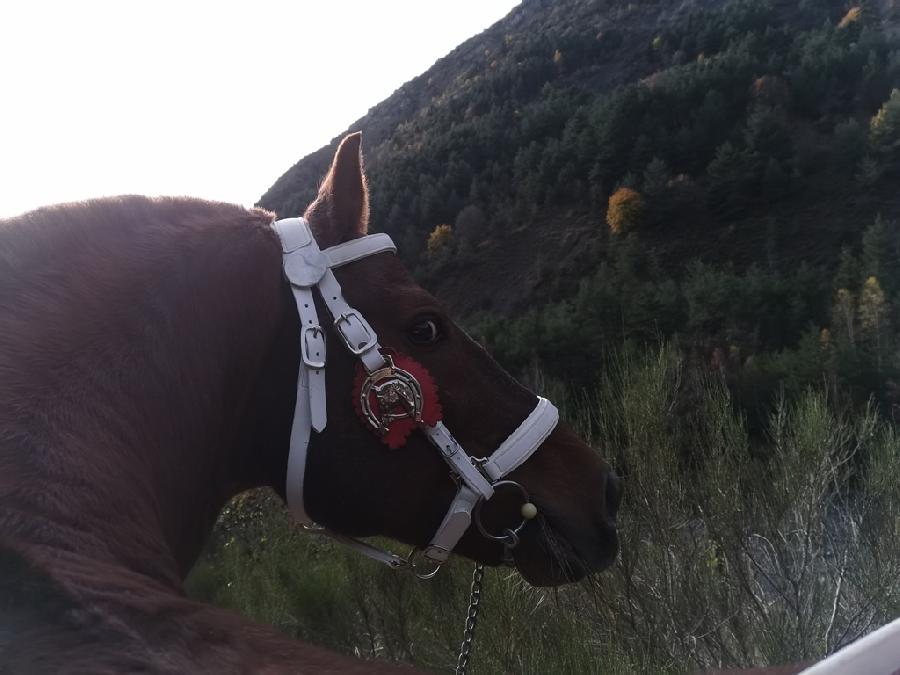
625	211
873	316
884	129
439	240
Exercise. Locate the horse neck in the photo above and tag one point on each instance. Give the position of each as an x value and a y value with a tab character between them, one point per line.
133	449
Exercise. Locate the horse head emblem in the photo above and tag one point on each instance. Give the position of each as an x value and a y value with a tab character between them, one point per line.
398	396
394	400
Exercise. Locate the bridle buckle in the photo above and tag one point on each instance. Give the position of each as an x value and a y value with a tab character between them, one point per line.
312	341
355	332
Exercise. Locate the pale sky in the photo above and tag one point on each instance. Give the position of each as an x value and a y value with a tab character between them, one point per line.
212	100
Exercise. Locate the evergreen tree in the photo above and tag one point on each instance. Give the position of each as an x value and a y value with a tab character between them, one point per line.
775	181
656	178
849	143
470	226
848	271
730	178
767	134
874	247
884	129
868	172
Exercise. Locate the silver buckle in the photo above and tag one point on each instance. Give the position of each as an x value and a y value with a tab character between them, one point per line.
415	566
318	336
345	321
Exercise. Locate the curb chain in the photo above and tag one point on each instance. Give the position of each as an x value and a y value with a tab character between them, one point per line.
465	649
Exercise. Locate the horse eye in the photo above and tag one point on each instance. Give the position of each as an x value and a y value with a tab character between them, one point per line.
424	332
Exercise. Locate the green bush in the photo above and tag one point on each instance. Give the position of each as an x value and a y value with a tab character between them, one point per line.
734	552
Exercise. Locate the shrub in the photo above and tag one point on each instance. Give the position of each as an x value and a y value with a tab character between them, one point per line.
733	553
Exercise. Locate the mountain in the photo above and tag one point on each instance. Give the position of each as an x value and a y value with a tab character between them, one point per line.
708	171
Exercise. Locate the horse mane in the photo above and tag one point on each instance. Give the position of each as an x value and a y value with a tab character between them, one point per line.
100	303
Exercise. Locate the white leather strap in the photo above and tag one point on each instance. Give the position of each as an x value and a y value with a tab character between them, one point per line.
458	460
305	266
303	262
293	233
296	468
312	355
453	527
355	332
356	249
522	443
366	549
512	453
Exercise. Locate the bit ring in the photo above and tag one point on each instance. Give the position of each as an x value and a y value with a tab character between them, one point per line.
509	536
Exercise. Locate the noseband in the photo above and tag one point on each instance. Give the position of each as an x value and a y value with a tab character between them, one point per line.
389	394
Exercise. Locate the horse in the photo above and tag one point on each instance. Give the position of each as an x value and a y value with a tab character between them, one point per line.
149	360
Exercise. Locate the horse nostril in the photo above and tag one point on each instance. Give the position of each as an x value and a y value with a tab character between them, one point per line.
613	494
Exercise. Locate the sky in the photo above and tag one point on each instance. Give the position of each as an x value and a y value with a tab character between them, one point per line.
211	100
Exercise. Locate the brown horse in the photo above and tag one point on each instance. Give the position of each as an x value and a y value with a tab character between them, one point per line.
148	365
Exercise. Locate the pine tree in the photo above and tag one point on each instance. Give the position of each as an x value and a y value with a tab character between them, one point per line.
848	273
470	227
767	134
876	253
775	182
868	172
730	178
849	144
656	178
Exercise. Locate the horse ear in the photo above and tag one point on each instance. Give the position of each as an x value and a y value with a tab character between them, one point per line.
341	211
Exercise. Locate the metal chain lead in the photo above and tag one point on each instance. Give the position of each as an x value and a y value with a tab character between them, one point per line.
465	649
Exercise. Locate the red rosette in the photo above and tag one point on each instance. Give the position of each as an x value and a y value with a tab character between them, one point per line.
399	430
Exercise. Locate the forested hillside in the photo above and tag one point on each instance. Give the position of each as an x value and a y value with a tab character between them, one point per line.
587	173
679	219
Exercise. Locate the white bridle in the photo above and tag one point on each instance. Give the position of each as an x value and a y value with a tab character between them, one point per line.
307	267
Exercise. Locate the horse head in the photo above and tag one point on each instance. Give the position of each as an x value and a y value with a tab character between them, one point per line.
357	484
